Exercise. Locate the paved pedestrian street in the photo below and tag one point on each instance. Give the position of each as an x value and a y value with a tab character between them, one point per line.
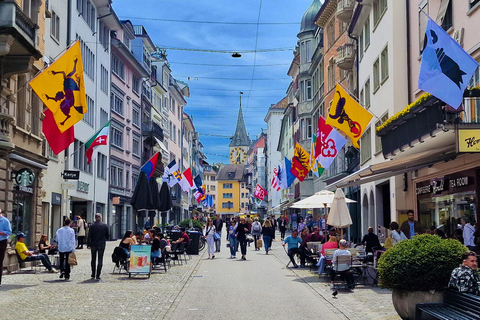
222	288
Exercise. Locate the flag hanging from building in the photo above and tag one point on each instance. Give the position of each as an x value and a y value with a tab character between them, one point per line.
300	163
98	139
260	193
62	89
150	165
348	116
275	180
284	173
187	174
446	68
199	189
172	175
329	143
58	141
316	167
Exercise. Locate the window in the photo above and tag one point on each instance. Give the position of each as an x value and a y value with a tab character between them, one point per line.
127	179
136	84
103	117
179	137
213	188
104	79
384	64
228	195
362	97
331	33
104	35
473	3
79	159
302	90
178	112
378	141
136	144
227	186
55	26
89	116
102	166
174	133
116	173
116	102
118	68
308	89
87	11
360	45
88	59
376	75
136	114
447	21
243	185
379	7
135	175
227	205
366	32
308	128
117	137
331	74
422	23
365	146
367	94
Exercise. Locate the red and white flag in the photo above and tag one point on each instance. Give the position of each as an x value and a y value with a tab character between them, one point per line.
275	180
329	143
260	193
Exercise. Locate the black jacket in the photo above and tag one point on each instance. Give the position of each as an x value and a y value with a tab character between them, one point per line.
268	231
97	234
218	224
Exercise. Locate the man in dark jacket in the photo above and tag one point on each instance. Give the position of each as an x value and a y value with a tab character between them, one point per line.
96	242
370	240
411	227
218	223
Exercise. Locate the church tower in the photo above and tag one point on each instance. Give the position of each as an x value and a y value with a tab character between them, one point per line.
240	141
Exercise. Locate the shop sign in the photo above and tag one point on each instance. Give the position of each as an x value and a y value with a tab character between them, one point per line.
56	198
468	140
459	182
438	186
71	174
68	186
82	186
24	179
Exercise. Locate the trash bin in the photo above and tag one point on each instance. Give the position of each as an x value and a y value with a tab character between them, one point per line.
194	242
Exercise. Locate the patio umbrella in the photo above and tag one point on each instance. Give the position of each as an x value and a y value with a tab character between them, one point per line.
142	197
339	215
321	199
165	199
153	185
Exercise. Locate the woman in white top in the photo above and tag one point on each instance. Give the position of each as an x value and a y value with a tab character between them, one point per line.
397	234
209	232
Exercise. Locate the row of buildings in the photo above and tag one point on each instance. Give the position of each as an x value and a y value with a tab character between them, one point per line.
410	155
128	82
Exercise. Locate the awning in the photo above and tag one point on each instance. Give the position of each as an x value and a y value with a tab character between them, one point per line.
160	143
390	168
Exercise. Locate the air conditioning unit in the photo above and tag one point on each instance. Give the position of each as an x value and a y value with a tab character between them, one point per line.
458	36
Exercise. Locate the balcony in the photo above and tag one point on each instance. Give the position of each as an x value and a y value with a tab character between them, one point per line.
152	129
345	10
6	144
346	56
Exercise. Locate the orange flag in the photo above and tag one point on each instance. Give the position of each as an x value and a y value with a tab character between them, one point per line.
300	163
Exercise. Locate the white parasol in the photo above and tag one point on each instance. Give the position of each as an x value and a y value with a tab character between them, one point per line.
339	215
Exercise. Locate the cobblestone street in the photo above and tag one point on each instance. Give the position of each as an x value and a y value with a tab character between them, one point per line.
180	292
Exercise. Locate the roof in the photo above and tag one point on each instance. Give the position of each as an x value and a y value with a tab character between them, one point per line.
237	170
308	19
241	137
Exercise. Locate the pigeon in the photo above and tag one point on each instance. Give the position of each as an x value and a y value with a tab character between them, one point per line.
334	294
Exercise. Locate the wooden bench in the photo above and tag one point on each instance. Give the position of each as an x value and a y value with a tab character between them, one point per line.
456	305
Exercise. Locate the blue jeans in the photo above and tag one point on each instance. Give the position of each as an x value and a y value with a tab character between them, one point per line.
266	242
218	243
42	257
233	245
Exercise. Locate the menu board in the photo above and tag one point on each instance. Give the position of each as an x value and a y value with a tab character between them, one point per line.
140	259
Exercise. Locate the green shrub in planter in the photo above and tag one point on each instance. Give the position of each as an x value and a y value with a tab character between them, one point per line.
423	263
186	223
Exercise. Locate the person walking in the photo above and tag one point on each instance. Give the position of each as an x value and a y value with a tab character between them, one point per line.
5	233
241	234
232	239
282	226
468	234
218	223
209	233
96	242
65	244
268	231
256	232
81	227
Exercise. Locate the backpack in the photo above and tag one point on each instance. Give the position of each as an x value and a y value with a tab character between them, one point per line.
256	227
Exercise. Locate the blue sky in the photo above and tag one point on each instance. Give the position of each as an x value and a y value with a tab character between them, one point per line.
216	78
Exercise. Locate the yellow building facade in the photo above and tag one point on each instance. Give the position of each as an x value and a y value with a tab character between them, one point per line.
230	179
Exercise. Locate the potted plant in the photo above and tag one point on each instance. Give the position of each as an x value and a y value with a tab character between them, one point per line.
418	270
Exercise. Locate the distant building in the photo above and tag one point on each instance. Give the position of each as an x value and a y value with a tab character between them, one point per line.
231	185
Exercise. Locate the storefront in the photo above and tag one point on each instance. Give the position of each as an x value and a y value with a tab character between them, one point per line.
442	201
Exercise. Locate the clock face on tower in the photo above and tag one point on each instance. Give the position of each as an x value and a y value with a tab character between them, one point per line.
237	155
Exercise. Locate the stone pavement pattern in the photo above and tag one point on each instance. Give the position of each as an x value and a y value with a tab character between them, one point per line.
261	287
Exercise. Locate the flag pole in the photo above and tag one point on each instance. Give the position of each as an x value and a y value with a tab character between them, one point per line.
356	98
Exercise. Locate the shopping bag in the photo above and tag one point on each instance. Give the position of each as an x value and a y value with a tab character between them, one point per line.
72	259
259	243
216	236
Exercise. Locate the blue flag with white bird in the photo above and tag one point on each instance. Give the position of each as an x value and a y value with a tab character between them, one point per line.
446	68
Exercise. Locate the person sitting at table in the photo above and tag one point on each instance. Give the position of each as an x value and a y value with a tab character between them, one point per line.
315	236
340	267
332	232
127	242
465	278
43	245
397	234
148	236
331	244
26	255
183	237
293	243
370	241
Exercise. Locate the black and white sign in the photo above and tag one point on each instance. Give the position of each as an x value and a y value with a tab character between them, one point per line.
71	174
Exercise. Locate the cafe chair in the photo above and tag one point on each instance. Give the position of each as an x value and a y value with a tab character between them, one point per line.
120	259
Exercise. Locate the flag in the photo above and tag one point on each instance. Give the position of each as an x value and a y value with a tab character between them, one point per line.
199	189
329	142
211	204
284	173
62	89
260	193
187	174
275	181
98	139
316	168
348	116
300	163
57	140
150	165
446	68
172	175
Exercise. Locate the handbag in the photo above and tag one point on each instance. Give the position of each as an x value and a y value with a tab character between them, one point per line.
216	236
250	238
72	259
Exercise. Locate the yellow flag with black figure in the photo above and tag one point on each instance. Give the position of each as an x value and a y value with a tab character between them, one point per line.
348	116
62	89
